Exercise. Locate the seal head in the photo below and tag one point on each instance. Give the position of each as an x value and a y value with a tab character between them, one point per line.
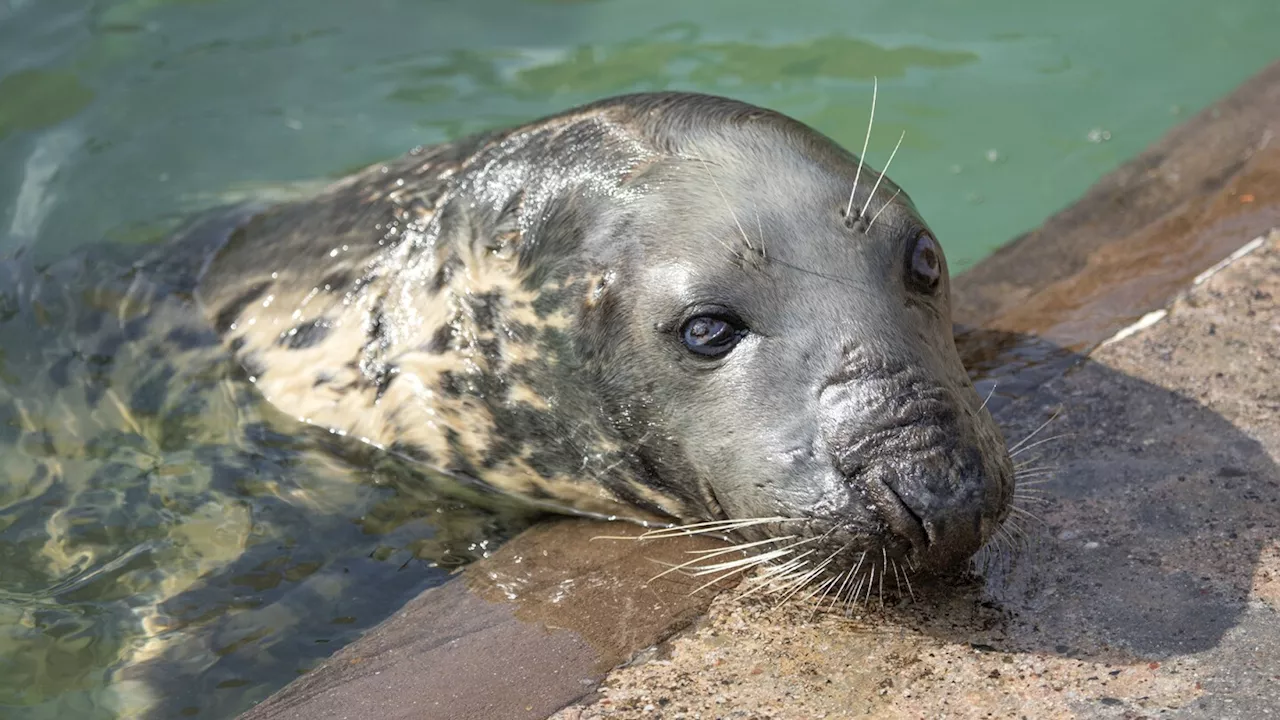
655	305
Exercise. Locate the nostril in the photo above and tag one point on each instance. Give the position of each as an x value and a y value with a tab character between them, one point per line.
899	516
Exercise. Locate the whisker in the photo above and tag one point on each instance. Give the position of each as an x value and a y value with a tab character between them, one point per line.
1031	499
1031	491
848	579
717	579
1015	522
853	596
789	579
743	565
781	580
825	589
882	207
1021	511
860	560
884	570
703	569
732	251
1030	464
760	230
755	584
1015	540
1001	537
752	560
728	207
993	392
1051	438
747	561
1034	463
907	578
700	528
1053	417
818	570
723	523
770	577
713	551
883	172
875	86
998	550
799	584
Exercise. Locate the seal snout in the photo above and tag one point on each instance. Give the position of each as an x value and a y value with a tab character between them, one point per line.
915	464
931	496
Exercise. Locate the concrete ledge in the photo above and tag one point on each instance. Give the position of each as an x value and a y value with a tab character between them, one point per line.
517	635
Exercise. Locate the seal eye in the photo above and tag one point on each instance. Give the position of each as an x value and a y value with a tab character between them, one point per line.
710	336
926	263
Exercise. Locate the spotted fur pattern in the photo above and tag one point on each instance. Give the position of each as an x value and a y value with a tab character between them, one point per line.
431	306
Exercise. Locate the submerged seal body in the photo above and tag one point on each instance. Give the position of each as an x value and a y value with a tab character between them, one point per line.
658	304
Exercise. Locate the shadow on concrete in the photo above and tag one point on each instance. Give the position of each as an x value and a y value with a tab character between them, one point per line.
1145	537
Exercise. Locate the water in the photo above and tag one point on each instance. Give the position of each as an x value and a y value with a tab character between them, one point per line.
163	537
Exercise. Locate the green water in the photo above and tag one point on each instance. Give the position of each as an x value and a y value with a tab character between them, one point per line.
165	541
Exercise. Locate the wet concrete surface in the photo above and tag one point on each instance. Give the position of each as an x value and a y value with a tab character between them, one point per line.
1149	581
518	635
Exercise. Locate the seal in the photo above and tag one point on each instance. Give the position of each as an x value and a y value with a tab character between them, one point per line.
657	306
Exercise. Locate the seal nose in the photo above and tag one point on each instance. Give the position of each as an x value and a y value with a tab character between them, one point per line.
919	467
899	430
948	503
